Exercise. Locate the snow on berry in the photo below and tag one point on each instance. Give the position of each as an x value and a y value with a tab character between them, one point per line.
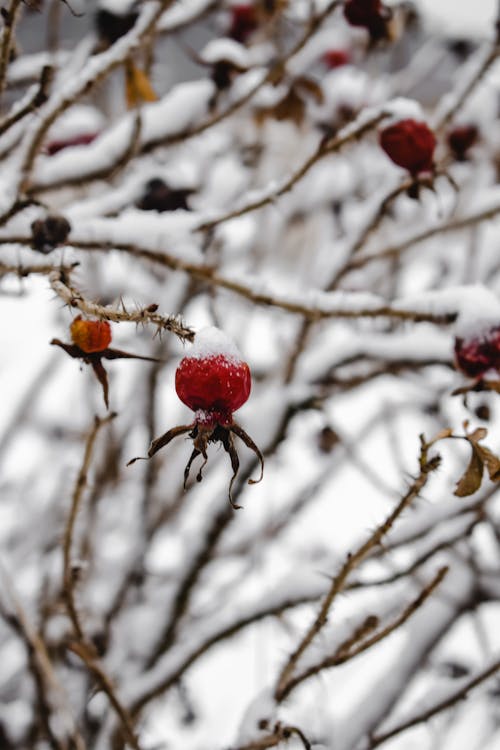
410	144
213	381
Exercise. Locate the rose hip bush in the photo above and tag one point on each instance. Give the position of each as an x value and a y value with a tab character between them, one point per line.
281	220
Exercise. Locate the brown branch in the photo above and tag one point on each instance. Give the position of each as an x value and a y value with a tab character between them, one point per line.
82	647
103	64
36	100
458	695
43	270
427	466
395	250
9	16
351	132
209	275
359	642
51	696
451	103
68	578
73	298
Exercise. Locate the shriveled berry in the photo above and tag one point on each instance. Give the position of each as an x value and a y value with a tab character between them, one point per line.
461	139
53	147
244	22
90	335
476	355
47	233
336	58
216	385
410	144
368	14
111	26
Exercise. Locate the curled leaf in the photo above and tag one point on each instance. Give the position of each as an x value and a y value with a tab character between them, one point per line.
473	476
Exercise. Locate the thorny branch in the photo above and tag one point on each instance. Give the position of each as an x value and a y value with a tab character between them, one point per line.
73	298
419	718
427	466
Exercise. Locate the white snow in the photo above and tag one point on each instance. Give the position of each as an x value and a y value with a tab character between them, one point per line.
211	342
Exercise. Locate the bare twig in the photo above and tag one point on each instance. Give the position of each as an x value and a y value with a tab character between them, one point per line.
419	718
9	16
359	642
427	466
68	578
351	132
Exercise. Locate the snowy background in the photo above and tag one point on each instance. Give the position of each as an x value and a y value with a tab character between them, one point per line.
344	295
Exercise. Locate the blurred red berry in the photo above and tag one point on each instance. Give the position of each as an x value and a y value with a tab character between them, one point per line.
461	139
476	355
90	335
244	22
335	58
410	144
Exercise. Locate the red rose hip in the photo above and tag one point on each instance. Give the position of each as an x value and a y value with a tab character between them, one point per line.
409	144
216	385
214	382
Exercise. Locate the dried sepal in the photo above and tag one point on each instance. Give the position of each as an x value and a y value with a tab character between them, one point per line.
253	447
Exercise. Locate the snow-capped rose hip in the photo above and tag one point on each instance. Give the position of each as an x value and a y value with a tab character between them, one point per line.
213	381
90	343
214	386
410	144
90	335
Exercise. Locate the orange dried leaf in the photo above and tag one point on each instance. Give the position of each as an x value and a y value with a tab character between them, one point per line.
138	88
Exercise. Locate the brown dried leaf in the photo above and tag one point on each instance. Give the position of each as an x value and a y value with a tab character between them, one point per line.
310	87
491	462
473	476
479	434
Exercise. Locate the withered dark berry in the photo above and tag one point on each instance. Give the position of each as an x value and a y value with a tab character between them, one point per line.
368	14
213	381
158	196
410	144
475	355
460	139
244	22
49	232
110	26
